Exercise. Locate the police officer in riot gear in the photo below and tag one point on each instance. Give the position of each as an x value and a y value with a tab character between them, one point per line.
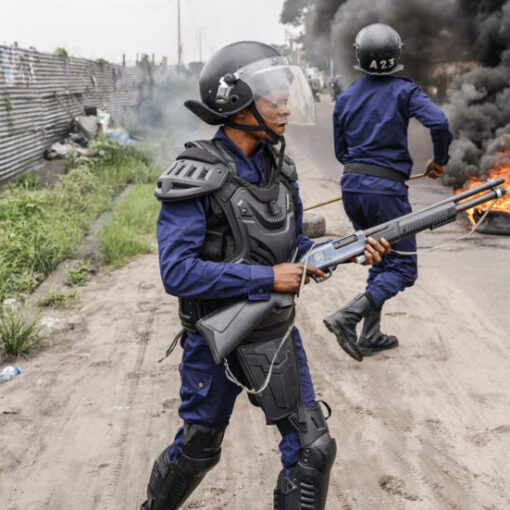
229	227
370	136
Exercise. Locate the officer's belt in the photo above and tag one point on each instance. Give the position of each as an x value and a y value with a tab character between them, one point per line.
375	171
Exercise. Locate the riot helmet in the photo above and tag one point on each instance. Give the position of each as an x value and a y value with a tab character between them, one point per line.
253	75
378	50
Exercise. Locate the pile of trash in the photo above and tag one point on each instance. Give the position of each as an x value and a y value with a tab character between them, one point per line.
95	123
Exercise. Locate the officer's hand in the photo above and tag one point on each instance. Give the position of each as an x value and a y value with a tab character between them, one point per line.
434	170
375	250
287	277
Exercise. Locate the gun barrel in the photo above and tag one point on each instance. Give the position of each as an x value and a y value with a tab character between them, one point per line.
494	194
489	184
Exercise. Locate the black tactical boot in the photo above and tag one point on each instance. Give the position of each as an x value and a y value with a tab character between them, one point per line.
372	340
171	482
343	324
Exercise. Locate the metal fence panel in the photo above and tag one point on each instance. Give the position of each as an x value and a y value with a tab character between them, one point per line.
41	93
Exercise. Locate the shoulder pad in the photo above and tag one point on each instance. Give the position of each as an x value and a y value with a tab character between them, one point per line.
191	178
198	154
289	168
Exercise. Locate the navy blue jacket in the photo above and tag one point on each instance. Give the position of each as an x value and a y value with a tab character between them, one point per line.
181	231
371	120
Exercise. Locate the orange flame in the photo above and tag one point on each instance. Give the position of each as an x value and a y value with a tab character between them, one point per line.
503	204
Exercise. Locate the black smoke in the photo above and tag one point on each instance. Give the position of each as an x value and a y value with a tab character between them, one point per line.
436	32
479	109
427	28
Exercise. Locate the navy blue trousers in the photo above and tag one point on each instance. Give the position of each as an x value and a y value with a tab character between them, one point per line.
208	397
395	272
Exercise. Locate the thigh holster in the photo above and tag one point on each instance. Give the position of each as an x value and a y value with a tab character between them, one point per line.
283	393
171	482
306	486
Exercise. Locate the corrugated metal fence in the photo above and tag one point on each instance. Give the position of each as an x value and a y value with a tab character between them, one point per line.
40	93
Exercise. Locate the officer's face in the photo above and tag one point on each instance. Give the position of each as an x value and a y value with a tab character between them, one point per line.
274	110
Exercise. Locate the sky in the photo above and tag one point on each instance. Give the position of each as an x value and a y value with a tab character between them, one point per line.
108	28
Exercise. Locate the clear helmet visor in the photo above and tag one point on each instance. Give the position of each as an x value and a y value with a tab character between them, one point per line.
282	94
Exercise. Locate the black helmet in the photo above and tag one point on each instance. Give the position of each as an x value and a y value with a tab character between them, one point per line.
242	72
222	95
378	50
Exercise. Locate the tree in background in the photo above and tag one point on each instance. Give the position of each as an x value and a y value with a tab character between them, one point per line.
294	11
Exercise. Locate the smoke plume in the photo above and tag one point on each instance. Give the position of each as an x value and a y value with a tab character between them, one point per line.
479	109
426	27
438	31
160	116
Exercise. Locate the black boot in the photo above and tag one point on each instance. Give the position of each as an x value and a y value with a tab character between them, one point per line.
171	482
372	340
343	324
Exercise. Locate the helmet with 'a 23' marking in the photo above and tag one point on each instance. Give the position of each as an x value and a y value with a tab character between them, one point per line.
378	50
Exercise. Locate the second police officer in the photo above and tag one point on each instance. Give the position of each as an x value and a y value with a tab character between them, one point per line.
370	122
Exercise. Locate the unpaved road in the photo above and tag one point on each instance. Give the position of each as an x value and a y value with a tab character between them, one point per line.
424	427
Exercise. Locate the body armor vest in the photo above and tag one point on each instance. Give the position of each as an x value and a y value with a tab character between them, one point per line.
245	224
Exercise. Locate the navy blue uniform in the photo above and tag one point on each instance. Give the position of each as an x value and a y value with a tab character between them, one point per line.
370	123
207	396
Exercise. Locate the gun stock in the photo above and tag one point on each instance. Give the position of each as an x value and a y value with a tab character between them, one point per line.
227	327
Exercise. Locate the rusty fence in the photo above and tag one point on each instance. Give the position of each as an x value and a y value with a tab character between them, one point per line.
41	93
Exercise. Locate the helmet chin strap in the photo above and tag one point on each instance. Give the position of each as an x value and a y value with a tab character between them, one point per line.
273	138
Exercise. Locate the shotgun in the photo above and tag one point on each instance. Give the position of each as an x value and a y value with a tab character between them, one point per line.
226	328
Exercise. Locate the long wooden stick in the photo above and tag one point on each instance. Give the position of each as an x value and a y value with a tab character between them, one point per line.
417	176
320	204
331	200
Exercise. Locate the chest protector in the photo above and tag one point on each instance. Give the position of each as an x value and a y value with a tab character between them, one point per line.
246	224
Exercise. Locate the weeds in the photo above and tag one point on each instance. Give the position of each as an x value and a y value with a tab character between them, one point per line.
59	299
131	230
78	275
40	227
20	334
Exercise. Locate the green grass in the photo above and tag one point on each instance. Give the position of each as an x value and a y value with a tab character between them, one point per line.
131	230
78	274
20	334
59	299
40	227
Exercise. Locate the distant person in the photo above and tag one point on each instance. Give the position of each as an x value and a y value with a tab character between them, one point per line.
314	84
335	87
370	123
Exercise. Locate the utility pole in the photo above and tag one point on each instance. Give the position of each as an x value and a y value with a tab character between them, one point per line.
179	44
199	39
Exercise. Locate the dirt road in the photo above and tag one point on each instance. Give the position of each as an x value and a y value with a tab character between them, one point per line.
424	427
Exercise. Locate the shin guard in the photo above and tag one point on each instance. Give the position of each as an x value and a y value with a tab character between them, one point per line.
171	482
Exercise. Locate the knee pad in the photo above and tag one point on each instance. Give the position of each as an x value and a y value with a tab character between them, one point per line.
171	482
201	442
306	486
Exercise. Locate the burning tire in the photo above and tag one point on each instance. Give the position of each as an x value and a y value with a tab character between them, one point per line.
496	223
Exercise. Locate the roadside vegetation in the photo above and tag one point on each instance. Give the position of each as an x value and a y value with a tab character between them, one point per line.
42	226
131	230
20	333
78	274
59	299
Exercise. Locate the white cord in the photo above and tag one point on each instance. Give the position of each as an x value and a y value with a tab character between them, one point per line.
423	250
228	372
